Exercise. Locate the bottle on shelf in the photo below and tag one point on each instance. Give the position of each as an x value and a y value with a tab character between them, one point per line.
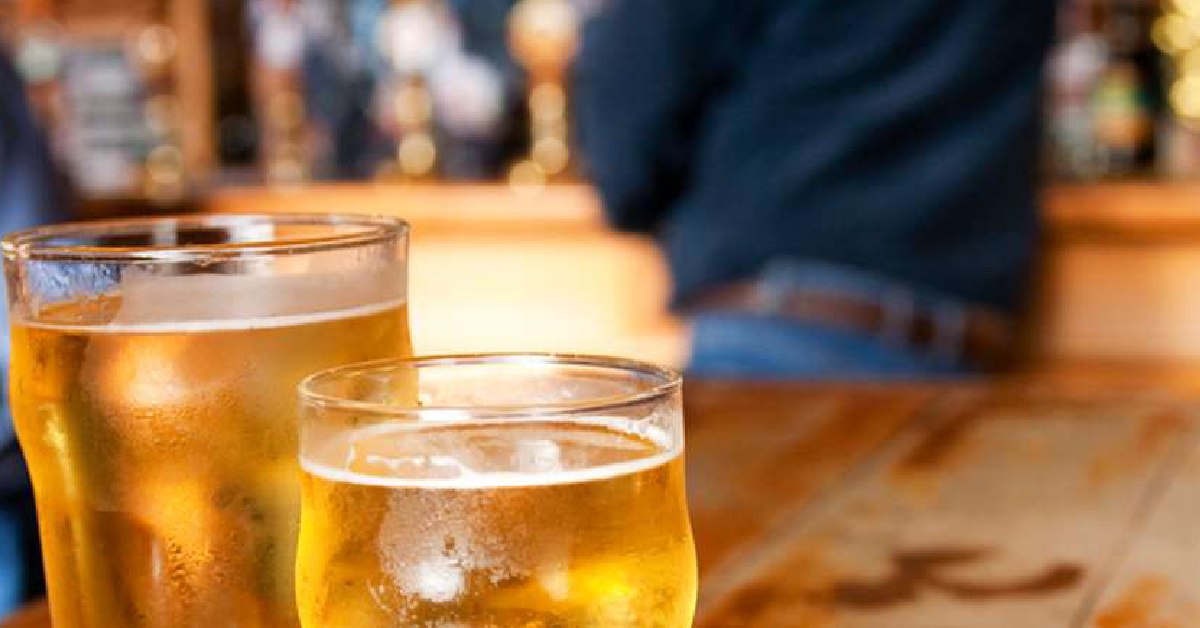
1074	68
1127	102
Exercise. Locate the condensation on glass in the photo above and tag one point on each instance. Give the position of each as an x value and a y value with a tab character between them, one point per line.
153	371
494	490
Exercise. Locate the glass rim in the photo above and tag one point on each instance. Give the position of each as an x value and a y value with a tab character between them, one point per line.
33	244
668	382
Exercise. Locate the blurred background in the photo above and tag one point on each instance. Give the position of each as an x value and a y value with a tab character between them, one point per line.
457	114
870	188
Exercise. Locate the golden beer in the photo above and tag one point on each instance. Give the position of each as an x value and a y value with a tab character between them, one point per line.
163	460
557	523
164	455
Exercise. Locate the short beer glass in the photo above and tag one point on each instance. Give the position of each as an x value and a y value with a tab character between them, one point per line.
153	373
494	490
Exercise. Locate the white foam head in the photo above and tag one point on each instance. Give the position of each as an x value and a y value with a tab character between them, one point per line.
537	460
200	302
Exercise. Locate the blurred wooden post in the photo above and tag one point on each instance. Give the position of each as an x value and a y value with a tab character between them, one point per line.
194	84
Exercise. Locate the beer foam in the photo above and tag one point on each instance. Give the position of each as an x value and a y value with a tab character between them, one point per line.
145	302
241	324
468	478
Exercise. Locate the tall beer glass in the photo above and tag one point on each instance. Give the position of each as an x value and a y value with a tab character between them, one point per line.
494	490
153	372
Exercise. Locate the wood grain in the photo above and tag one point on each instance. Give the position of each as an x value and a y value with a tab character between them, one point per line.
1157	582
759	451
1002	512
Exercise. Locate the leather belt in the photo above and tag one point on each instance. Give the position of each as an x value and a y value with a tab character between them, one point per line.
981	337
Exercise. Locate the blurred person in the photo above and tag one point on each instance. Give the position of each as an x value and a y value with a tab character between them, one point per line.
30	194
842	189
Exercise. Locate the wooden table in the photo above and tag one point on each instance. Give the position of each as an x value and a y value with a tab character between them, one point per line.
1007	505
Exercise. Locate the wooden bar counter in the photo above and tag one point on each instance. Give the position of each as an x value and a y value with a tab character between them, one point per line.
1045	501
500	269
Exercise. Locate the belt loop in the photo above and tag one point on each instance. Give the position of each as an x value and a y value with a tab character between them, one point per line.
899	312
950	327
770	294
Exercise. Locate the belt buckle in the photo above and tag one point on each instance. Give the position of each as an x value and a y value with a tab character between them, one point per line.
901	309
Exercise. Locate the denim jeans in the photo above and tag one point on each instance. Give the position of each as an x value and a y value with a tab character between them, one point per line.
769	345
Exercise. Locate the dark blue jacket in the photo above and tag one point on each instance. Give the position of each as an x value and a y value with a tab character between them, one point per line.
895	136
